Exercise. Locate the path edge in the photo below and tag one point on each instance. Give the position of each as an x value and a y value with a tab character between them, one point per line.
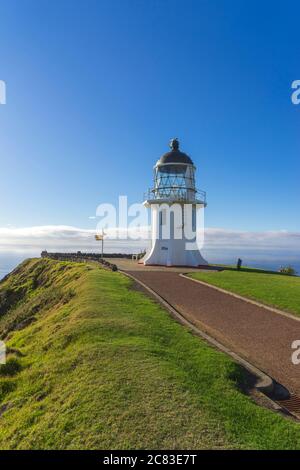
240	297
265	384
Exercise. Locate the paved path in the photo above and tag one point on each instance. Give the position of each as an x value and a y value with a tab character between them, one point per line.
126	264
259	335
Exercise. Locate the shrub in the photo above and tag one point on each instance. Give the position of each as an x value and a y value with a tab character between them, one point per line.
287	270
6	386
11	367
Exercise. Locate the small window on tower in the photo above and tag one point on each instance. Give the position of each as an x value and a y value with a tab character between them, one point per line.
194	219
162	217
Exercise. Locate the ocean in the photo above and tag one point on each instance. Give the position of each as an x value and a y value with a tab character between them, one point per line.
9	260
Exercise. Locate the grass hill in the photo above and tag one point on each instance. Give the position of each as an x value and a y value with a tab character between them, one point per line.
277	290
94	363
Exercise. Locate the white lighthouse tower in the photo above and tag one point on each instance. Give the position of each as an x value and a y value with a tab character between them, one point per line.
174	202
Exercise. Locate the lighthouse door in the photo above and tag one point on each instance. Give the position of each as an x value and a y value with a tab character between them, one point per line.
164	254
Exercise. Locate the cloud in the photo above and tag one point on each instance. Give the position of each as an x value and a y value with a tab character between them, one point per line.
281	239
263	249
68	238
219	243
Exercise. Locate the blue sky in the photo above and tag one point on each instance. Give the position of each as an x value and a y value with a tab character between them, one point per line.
95	90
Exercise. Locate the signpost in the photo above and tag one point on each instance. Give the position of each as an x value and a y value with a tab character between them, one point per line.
100	237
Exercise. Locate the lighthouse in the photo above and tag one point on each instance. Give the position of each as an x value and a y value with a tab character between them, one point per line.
175	205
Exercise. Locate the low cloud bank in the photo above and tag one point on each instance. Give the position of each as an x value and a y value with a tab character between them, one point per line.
274	240
67	238
217	240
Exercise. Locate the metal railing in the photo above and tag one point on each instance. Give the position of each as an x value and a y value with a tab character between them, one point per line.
174	193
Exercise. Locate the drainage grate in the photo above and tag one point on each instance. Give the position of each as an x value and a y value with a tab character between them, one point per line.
292	405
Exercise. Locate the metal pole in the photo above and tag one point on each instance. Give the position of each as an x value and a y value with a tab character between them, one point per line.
102	247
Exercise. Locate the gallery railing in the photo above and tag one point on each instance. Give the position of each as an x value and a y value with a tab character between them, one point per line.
176	193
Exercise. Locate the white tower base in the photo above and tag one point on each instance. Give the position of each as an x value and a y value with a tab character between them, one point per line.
170	251
164	253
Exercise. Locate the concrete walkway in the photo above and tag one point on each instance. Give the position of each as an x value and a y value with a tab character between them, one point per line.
259	335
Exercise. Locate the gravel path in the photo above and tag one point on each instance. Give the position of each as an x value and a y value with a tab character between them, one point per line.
259	335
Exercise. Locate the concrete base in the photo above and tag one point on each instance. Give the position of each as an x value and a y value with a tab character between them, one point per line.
173	253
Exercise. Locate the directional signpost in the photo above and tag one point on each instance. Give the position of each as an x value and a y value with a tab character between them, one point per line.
100	237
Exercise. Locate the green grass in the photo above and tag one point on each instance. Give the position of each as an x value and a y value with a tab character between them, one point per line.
94	363
273	289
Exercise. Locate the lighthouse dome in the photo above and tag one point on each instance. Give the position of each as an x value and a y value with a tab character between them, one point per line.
175	155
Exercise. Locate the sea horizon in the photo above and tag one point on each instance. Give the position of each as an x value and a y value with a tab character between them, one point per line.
10	260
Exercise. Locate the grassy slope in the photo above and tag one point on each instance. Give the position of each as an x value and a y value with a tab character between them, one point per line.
280	291
103	366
